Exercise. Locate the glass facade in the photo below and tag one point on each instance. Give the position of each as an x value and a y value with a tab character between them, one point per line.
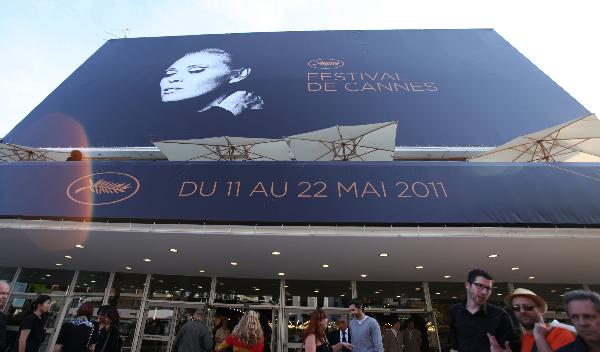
43	281
393	295
152	314
180	288
247	291
316	293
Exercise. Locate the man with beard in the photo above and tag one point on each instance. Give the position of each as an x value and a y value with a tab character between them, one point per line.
474	323
366	334
529	309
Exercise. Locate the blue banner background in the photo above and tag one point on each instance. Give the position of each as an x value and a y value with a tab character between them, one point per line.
486	92
432	192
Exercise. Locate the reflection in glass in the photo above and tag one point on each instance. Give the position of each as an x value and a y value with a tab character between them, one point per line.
7	274
159	321
247	291
126	295
399	295
92	281
317	293
443	296
43	281
422	322
180	288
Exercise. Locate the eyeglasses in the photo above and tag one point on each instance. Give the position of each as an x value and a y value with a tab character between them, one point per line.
481	287
525	307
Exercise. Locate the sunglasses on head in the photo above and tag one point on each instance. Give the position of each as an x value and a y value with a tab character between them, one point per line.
525	307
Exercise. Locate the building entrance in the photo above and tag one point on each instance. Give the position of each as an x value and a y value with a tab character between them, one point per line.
161	323
229	316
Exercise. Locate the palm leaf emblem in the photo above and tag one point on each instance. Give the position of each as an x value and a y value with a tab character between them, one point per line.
102	186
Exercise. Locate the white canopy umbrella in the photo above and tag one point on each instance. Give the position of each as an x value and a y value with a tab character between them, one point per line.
374	142
577	140
224	148
13	152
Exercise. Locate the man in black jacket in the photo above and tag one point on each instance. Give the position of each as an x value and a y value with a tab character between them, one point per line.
194	335
474	323
340	335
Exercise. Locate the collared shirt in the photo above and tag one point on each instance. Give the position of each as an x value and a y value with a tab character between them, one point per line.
344	335
35	325
576	346
468	332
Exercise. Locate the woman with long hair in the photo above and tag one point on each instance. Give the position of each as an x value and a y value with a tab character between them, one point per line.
77	334
31	332
315	338
247	336
108	336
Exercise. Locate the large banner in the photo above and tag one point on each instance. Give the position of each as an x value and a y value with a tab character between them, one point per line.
444	87
305	193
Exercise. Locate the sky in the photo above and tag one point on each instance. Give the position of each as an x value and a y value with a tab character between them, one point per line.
43	42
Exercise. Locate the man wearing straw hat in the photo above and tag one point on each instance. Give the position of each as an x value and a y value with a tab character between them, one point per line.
529	309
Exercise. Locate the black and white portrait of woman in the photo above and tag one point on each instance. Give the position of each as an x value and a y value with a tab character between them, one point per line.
209	78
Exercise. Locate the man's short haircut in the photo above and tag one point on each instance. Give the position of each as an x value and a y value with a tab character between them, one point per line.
358	304
582	295
3	282
473	274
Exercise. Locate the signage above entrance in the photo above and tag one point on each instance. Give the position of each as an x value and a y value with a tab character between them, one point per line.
403	193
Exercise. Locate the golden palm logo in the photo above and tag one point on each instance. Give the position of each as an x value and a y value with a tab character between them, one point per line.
103	188
325	64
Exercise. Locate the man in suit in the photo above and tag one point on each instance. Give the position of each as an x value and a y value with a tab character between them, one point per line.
340	335
392	338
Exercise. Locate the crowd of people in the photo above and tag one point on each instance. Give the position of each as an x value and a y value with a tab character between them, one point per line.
475	326
77	335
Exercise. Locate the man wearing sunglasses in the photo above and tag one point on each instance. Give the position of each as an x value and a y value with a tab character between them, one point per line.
475	322
529	309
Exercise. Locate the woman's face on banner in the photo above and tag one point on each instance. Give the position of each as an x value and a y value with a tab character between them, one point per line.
195	75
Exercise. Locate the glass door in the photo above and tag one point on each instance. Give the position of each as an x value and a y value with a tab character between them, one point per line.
225	318
297	320
162	321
